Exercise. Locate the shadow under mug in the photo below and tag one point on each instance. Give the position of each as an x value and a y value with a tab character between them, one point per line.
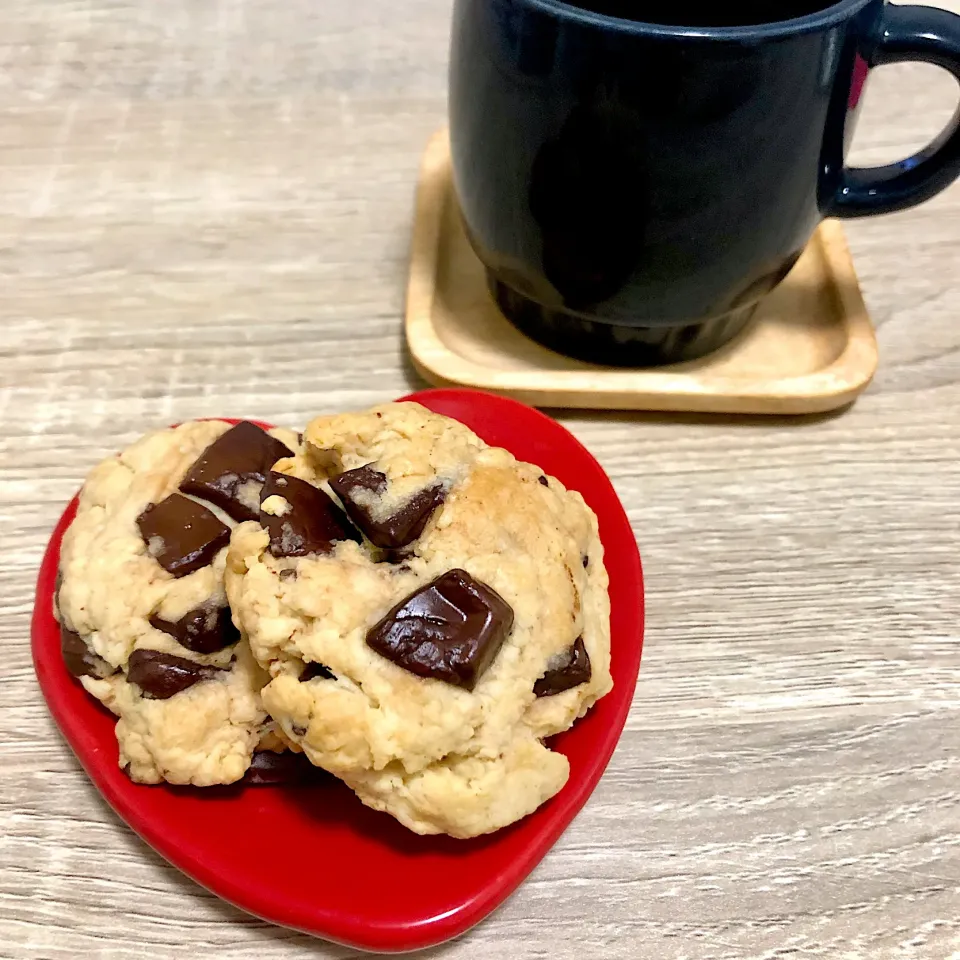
634	190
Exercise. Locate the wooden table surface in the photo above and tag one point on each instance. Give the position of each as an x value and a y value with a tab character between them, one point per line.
205	209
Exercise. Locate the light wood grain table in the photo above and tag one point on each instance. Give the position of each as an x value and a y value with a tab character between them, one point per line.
205	209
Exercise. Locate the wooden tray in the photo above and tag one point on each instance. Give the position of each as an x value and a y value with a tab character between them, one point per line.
811	347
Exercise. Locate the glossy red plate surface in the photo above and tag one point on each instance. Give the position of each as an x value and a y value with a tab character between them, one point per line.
316	859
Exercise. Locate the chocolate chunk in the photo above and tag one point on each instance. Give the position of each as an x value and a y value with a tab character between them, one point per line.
74	651
544	482
161	675
449	630
204	629
348	484
586	561
397	557
181	535
317	671
297	730
79	659
566	671
356	489
267	768
310	523
288	574
230	472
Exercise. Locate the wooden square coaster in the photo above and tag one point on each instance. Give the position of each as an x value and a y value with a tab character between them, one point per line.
810	348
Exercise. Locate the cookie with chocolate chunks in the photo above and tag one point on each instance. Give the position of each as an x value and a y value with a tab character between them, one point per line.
231	471
162	675
359	491
181	535
113	596
303	520
449	630
204	629
570	669
431	716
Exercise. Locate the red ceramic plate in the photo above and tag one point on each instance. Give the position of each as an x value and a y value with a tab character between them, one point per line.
314	858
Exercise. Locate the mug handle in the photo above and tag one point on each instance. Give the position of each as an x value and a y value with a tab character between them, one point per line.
907	33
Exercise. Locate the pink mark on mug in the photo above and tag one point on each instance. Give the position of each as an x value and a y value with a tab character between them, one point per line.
860	72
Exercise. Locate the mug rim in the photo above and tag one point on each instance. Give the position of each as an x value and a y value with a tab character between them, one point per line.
828	16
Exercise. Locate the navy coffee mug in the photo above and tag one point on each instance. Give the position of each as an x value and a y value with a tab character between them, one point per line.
635	188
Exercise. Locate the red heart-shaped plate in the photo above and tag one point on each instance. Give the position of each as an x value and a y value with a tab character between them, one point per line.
314	858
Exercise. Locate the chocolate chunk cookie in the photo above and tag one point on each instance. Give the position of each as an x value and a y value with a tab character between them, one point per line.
144	618
458	618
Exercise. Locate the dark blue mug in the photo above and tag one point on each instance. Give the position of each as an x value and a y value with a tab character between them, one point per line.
635	175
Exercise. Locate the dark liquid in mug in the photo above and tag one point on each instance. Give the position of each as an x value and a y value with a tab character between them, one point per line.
689	13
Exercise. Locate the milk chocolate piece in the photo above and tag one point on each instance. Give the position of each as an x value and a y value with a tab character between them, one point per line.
449	630
393	532
161	675
204	629
316	671
181	535
312	522
294	769
568	670
79	659
230	472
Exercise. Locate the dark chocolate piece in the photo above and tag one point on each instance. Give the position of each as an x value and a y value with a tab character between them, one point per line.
568	670
449	630
230	472
268	768
181	535
297	730
313	523
205	629
586	561
544	482
317	671
362	478
161	675
397	557
288	574
79	659
393	532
